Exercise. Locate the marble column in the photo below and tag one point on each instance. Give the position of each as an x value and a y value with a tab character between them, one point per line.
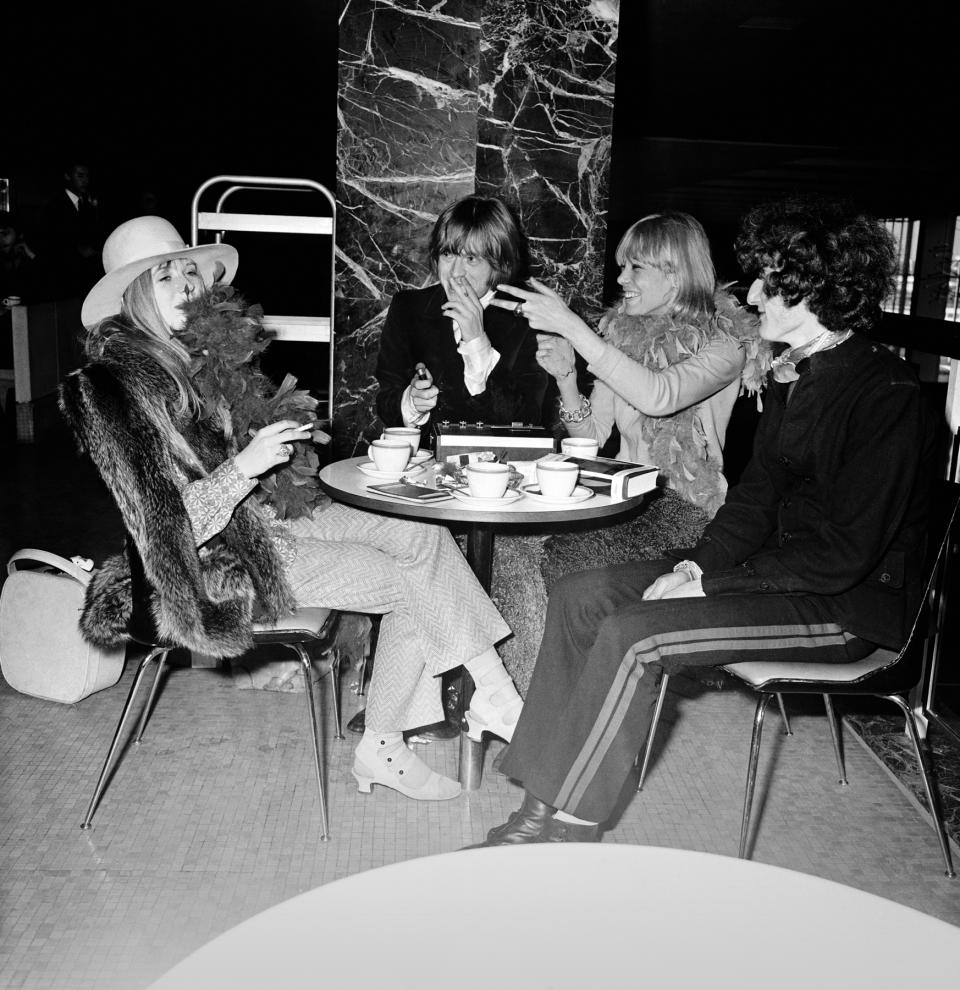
437	100
544	136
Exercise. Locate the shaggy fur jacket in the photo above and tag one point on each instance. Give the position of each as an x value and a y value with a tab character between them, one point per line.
119	410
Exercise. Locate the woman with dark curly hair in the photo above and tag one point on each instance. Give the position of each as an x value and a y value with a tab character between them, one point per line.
814	556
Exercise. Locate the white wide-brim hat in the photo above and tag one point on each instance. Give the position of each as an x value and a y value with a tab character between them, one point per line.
138	245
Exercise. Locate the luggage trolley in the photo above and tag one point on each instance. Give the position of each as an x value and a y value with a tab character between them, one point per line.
311	329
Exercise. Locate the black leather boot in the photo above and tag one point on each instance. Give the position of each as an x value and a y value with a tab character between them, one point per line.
527	824
558	831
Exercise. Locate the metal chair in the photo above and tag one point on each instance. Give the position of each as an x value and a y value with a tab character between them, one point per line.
315	627
884	673
664	683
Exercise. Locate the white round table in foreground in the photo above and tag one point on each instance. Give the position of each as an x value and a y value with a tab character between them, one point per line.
578	917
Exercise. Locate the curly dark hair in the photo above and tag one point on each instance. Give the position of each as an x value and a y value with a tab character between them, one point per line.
836	259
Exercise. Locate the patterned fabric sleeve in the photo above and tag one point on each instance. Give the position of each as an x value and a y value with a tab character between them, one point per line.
210	503
283	539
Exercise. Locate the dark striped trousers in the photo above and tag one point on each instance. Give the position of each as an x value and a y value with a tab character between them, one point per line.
604	650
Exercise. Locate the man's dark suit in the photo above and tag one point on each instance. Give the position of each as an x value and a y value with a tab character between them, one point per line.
72	239
416	330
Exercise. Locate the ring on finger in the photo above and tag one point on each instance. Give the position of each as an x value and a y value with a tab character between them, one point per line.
519	308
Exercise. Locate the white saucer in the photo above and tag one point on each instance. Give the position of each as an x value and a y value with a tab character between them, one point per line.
508	498
421	457
369	468
580	494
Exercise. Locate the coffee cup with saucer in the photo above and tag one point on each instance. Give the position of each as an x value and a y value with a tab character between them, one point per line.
557	479
579	447
409	433
390	454
487	479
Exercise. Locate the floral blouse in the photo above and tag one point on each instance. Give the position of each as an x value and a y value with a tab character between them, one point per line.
210	503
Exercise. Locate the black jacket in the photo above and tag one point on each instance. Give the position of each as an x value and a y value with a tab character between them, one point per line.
833	502
416	330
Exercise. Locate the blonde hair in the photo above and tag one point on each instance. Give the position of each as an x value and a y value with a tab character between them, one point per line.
675	244
140	327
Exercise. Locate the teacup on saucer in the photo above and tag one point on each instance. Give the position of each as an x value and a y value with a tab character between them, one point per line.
487	479
390	454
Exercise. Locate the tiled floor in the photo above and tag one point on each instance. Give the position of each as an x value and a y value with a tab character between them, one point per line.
215	816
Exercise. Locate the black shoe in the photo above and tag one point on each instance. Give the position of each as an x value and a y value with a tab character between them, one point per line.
558	831
438	732
527	824
359	722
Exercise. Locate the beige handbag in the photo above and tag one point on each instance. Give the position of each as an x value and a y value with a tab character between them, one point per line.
41	650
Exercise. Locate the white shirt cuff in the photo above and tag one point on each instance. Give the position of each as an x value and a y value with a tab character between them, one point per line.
411	417
479	360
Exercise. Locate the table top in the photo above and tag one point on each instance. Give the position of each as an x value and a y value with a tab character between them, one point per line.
573	917
344	482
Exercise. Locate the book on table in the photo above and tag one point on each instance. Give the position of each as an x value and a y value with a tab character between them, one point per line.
408	491
621	480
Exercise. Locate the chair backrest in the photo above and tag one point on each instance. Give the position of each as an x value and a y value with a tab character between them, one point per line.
905	670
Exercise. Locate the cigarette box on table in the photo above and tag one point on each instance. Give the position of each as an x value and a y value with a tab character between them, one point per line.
621	480
517	442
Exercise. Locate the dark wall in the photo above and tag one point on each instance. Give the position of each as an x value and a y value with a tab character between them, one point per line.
160	97
725	103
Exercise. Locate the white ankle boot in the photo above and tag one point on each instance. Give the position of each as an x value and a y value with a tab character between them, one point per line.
394	765
494	708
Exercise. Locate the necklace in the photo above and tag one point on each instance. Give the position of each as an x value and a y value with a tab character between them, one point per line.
784	367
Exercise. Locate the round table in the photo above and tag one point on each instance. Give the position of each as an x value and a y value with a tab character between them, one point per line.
576	917
345	482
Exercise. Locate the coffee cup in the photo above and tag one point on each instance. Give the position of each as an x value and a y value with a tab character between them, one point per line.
579	447
487	479
557	479
11	301
409	433
391	454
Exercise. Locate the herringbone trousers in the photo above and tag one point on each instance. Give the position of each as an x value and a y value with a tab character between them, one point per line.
435	613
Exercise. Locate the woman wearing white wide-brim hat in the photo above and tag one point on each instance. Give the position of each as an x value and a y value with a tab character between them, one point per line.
180	481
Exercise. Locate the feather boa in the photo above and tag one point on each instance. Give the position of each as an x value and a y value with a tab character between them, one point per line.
676	443
225	338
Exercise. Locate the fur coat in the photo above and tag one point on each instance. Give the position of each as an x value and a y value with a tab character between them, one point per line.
119	411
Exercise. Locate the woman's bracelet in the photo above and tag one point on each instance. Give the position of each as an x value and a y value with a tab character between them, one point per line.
691	568
579	414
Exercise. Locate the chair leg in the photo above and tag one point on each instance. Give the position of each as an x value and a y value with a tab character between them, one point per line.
752	762
115	744
932	796
664	681
306	666
369	656
787	731
837	741
335	682
361	677
148	708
